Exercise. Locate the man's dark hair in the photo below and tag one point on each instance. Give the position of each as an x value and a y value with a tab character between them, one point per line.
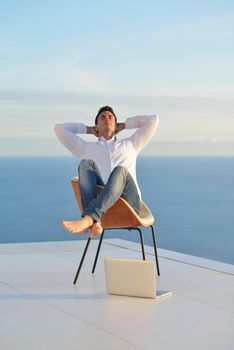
104	109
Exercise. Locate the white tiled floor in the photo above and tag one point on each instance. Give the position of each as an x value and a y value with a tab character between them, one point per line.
42	309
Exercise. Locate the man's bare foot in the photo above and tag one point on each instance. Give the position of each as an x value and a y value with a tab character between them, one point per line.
96	230
79	226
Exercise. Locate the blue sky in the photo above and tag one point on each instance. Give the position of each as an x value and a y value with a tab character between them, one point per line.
61	60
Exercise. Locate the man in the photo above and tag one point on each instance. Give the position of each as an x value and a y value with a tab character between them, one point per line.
108	162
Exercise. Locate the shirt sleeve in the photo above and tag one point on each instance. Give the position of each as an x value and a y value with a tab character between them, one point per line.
67	135
146	125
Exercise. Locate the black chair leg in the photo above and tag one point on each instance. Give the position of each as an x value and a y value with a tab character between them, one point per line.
82	259
142	240
155	249
98	250
142	243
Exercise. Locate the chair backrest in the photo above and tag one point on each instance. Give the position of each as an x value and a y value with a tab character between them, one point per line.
121	214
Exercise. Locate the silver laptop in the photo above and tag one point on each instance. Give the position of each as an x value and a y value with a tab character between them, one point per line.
132	277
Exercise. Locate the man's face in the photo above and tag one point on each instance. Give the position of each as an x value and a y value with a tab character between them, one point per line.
106	122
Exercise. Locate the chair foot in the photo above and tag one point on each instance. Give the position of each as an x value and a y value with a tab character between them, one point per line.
82	260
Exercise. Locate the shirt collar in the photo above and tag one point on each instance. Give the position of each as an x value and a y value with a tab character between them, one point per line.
113	139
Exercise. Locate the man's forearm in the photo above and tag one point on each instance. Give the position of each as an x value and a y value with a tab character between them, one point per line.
75	128
146	127
139	121
67	134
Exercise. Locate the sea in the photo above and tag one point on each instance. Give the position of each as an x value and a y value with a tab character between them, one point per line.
191	198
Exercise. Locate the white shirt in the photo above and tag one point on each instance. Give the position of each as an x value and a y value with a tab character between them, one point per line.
107	154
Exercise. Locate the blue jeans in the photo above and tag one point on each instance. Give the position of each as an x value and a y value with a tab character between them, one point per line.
119	184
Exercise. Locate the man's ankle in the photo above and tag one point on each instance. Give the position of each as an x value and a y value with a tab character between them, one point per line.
89	219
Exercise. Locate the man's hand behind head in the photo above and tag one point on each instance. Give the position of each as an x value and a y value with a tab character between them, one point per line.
92	130
119	127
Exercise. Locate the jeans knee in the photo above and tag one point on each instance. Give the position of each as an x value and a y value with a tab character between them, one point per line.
121	170
86	164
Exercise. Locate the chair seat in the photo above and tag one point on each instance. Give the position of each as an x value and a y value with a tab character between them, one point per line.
121	214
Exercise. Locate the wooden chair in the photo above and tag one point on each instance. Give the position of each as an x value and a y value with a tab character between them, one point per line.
120	216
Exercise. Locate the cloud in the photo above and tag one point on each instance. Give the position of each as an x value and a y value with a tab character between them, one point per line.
19	71
209	29
82	80
59	76
10	98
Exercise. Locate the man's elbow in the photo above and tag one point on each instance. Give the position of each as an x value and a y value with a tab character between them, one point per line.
155	119
57	128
